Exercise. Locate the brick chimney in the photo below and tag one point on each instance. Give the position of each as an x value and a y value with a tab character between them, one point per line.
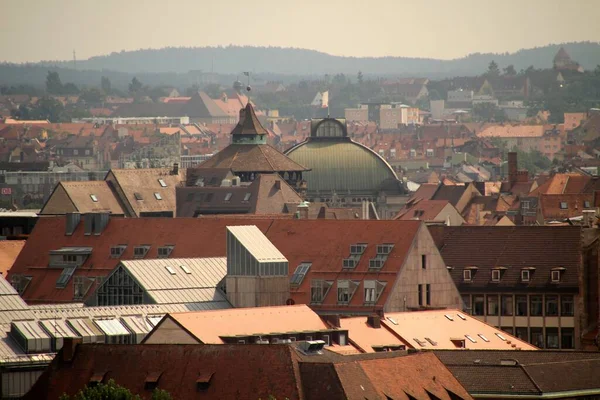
175	170
512	168
374	321
68	349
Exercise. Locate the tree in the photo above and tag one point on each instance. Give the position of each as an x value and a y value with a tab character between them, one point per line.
92	96
112	391
53	83
70	88
510	70
493	69
359	77
106	85
195	88
49	108
135	87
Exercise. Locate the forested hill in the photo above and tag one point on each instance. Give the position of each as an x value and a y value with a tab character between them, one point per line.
184	66
291	61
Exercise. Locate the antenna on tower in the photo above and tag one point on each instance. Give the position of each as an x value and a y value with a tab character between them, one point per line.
74	60
248	88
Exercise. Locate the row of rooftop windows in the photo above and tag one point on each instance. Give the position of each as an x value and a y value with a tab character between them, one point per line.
509	305
141	251
526	274
563	205
346	289
208	197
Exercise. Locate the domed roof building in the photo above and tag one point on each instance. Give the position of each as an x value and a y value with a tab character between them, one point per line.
342	171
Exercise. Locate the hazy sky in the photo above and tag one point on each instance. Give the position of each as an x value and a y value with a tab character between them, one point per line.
34	30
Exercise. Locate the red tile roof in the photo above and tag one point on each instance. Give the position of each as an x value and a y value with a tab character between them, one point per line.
424	210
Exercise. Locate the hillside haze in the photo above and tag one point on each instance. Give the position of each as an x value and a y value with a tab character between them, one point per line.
233	59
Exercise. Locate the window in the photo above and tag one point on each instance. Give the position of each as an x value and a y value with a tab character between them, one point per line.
94	198
495	275
346	290
162	183
423	261
478	305
492	304
521	333
247	196
552	338
75	152
384	248
485	339
537	337
373	290
467	275
466	299
138	196
140	251
471	339
525	205
524	275
586	204
157	196
566	306
521	302
300	273
506	305
536	306
319	289
358	249
228	196
563	205
567	338
420	294
115	252
165	251
555	276
551	305
428	294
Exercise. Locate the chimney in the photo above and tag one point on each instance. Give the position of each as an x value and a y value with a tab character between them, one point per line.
277	185
68	349
512	168
175	170
332	320
588	218
72	222
303	210
374	321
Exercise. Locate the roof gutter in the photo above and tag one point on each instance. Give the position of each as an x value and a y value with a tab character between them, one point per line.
551	395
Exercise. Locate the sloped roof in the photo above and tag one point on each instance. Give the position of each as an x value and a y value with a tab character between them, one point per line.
253	240
562	55
563	184
532	372
189	280
249	123
513	248
510	131
252	158
9	250
200	105
209	326
80	194
146	183
424	210
550	205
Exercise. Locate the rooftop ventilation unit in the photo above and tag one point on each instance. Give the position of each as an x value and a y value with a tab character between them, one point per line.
311	347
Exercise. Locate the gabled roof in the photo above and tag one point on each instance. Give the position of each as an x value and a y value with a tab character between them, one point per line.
209	326
180	280
539	372
563	206
249	123
252	158
9	250
424	210
146	183
511	248
85	197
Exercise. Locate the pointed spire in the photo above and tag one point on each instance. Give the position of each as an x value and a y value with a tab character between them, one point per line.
249	123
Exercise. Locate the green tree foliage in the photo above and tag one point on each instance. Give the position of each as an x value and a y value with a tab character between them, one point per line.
135	87
195	88
92	96
106	85
112	391
488	112
359	78
53	83
493	69
510	70
70	89
46	108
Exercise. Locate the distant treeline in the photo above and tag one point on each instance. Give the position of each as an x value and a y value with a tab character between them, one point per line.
182	67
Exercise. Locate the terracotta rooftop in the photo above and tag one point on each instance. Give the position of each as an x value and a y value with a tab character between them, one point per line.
82	197
249	123
510	131
9	250
424	210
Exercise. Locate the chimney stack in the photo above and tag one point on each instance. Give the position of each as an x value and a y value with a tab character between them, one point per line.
175	170
68	349
374	321
512	168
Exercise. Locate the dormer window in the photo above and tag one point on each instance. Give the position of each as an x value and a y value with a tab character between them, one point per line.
525	275
373	290
140	251
496	275
165	251
467	276
383	250
346	290
555	275
319	289
117	251
300	273
356	251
